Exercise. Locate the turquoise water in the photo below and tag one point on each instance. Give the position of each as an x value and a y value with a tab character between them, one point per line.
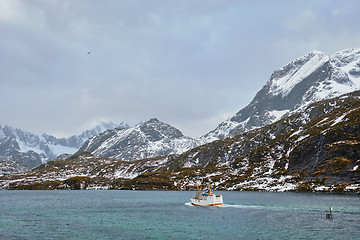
101	214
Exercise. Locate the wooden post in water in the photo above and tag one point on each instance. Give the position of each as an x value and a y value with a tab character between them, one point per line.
329	214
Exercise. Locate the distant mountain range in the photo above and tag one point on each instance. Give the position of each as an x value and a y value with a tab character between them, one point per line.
281	137
314	150
31	150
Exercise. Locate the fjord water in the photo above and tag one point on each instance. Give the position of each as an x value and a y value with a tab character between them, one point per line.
100	214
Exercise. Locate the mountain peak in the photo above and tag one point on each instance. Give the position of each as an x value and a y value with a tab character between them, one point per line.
149	139
346	53
316	52
348	61
154	120
283	80
156	130
103	126
305	80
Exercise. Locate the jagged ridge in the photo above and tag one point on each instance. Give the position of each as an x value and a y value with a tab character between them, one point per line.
150	139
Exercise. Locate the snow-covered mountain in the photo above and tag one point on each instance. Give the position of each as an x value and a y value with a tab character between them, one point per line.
290	89
32	150
316	150
76	141
285	139
149	139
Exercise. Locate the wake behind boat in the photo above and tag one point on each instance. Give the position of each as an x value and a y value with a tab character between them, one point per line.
206	198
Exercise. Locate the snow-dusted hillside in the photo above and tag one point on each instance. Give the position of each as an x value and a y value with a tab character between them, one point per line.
32	149
316	150
10	167
149	139
306	80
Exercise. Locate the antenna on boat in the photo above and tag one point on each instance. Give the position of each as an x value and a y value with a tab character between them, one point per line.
209	187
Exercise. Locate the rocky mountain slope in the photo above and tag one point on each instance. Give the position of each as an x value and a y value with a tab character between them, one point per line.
150	139
313	150
31	150
9	167
306	80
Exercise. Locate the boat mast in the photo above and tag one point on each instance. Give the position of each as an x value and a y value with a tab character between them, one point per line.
197	190
209	188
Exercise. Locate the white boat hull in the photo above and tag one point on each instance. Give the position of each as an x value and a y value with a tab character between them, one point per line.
212	200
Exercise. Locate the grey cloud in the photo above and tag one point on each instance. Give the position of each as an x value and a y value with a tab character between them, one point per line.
188	63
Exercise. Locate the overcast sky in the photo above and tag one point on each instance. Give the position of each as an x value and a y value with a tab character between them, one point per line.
191	64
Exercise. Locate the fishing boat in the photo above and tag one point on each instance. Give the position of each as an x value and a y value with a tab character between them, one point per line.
206	198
